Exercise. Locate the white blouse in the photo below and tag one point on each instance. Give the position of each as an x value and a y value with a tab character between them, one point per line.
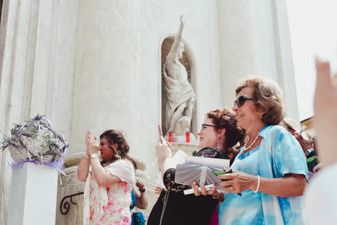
320	197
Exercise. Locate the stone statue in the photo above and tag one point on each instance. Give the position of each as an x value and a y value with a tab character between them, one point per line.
180	96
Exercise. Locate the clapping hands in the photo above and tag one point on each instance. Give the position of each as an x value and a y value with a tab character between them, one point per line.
91	143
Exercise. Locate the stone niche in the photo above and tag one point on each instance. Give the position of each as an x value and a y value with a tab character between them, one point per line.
187	61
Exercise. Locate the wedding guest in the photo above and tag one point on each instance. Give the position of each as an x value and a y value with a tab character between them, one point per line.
139	200
307	143
218	134
108	182
270	170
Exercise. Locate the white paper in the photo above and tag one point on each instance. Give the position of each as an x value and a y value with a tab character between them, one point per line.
209	162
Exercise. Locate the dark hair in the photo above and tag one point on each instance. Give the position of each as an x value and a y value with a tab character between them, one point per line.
267	97
226	119
116	137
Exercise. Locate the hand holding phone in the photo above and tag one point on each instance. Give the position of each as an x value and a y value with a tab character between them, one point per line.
161	138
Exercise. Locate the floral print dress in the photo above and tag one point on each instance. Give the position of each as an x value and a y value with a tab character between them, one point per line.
110	205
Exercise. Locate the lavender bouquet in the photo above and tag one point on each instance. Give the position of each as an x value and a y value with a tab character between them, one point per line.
37	142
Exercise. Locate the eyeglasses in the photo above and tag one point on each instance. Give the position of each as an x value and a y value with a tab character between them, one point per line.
241	100
204	126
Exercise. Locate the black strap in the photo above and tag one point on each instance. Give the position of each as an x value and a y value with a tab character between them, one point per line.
166	197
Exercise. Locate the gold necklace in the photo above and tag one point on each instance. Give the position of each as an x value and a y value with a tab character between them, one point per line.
257	136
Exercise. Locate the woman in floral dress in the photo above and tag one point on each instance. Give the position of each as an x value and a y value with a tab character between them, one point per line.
108	182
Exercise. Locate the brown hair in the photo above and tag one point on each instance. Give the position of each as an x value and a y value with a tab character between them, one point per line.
116	137
267	97
226	119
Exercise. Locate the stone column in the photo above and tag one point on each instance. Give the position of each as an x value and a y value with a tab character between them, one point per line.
254	39
37	45
107	80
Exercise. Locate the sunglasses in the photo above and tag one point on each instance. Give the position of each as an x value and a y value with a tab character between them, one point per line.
204	126
241	100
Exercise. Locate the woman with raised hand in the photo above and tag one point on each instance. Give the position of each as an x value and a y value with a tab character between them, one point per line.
219	133
109	182
270	171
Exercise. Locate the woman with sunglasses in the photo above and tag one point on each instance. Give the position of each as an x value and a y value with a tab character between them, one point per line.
218	135
270	170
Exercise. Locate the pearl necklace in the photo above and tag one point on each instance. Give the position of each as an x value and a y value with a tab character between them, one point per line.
257	136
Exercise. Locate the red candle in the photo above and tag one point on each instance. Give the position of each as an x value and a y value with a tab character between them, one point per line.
187	137
170	136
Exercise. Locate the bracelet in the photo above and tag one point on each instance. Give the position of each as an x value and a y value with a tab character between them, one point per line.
142	190
86	155
93	155
258	184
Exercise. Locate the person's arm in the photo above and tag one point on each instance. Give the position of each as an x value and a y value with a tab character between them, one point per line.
288	186
141	199
83	167
325	108
102	176
164	156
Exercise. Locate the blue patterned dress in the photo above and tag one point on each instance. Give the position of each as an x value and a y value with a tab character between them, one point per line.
278	154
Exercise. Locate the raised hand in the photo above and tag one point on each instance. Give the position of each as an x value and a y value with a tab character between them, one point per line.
140	185
87	138
90	142
163	151
325	107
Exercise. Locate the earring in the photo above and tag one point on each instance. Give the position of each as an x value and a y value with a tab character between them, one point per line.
218	143
116	155
261	116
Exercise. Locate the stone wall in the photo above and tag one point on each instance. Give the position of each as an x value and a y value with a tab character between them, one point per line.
37	53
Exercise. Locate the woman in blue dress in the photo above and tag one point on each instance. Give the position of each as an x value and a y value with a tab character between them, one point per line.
270	171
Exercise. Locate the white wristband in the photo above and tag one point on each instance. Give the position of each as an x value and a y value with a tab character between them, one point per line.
86	155
93	155
258	184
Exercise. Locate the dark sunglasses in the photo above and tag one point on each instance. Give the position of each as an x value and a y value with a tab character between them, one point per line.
204	126
241	100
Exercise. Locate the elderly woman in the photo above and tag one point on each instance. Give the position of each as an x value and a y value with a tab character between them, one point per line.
218	134
270	170
108	182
